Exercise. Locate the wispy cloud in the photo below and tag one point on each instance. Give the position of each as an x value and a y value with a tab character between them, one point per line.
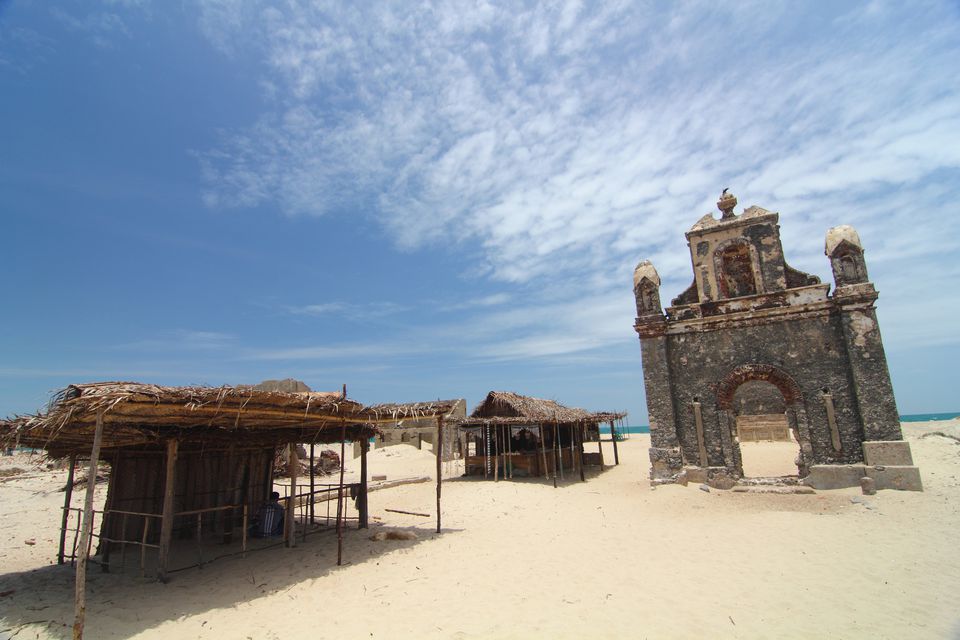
182	339
570	140
350	311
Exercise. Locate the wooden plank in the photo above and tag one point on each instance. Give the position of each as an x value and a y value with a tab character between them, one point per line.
80	591
166	523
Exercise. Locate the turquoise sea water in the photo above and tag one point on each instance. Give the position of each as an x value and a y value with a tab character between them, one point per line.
924	417
641	429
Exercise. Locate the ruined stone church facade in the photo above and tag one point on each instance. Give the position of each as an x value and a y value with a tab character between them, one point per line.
748	317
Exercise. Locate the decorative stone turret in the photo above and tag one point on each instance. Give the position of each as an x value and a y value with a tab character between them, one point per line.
646	289
845	251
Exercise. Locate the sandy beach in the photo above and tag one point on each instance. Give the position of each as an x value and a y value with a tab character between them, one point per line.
608	558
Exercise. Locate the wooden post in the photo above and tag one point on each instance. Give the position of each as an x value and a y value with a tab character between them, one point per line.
600	446
200	540
559	449
485	436
496	453
580	452
543	451
439	466
243	536
80	592
293	466
613	437
508	456
343	437
166	523
68	490
312	485
362	498
143	545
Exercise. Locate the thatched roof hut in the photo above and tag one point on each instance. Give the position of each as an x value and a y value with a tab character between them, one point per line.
530	436
197	460
143	414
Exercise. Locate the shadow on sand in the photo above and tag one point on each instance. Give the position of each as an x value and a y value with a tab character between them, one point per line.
40	602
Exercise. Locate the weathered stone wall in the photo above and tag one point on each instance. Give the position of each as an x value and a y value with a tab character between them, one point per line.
809	350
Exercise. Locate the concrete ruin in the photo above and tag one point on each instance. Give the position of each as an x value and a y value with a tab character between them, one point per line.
750	320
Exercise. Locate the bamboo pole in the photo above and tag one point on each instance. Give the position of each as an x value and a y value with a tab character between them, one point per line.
613	437
143	546
123	544
343	451
312	480
80	592
543	450
243	536
496	454
508	456
362	499
166	524
68	490
200	540
485	440
559	450
439	466
600	446
293	465
580	452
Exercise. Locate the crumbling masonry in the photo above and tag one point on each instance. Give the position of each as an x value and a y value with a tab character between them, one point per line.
748	317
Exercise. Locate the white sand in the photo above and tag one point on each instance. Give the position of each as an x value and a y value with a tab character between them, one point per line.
607	558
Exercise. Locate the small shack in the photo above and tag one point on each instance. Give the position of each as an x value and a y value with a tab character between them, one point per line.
189	466
509	435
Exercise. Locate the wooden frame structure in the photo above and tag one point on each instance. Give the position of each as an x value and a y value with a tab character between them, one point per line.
509	435
195	462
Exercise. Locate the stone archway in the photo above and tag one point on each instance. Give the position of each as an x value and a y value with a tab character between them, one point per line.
792	406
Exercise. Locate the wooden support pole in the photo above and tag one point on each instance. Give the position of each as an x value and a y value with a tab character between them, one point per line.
362	498
200	540
543	451
439	466
68	491
143	546
496	454
485	437
600	446
343	451
166	523
559	449
580	452
80	592
312	481
243	536
613	437
293	466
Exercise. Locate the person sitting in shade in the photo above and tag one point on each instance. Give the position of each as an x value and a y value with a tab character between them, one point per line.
269	519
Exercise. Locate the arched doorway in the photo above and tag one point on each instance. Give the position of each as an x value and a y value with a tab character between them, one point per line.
768	446
767	420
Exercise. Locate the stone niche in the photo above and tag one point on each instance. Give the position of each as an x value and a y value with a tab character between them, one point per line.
751	335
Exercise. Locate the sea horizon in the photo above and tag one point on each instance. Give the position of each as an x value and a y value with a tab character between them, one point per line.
907	417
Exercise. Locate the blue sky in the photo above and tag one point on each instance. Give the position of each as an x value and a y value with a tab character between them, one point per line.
435	200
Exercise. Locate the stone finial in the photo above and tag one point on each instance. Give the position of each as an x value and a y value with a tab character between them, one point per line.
836	235
726	203
645	270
